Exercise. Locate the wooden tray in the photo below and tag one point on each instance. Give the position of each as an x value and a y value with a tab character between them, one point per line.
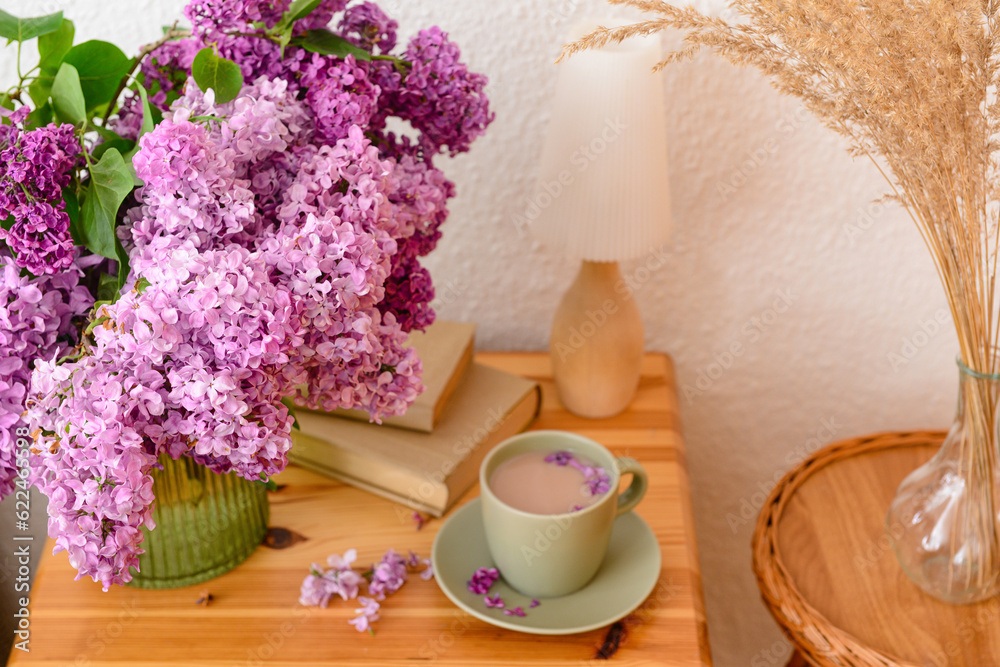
828	574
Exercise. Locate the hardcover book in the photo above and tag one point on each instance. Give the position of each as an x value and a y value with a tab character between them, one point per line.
427	471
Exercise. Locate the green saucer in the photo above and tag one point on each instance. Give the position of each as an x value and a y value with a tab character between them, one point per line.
626	577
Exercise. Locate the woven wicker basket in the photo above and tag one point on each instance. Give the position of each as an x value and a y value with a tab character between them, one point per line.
817	639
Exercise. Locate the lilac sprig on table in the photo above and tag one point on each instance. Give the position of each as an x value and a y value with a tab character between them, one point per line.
382	580
597	480
482	581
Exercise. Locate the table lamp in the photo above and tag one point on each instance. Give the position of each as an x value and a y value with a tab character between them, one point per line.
603	196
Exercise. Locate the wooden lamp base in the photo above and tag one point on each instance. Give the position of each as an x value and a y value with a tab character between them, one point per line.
597	343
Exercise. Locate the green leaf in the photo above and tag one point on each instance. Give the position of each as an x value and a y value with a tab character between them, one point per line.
73	211
110	183
124	268
299	9
221	75
21	30
268	484
147	114
148	122
287	402
101	66
67	96
329	44
107	288
7	222
52	48
120	144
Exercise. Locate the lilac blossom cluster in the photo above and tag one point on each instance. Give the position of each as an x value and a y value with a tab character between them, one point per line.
262	258
383	579
36	322
427	85
35	166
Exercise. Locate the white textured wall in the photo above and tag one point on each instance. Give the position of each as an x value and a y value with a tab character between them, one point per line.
770	215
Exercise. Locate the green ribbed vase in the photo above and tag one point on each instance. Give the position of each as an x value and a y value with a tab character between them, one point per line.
206	524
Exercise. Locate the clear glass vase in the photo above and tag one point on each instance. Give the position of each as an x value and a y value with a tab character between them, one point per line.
206	524
943	520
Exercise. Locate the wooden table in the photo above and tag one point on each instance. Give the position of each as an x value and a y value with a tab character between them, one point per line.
254	617
829	575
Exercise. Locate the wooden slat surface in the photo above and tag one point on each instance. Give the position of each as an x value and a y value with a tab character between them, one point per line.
255	619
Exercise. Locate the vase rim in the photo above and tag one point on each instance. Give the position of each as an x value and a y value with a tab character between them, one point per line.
971	372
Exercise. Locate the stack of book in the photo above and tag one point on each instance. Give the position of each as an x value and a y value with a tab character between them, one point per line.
429	457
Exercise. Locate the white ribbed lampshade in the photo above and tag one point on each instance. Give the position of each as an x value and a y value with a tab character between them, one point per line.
603	192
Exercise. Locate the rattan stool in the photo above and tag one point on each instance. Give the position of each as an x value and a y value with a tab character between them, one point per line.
828	575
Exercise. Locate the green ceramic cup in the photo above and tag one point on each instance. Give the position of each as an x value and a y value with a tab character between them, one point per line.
548	555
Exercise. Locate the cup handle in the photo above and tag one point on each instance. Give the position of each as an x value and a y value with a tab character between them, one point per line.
637	489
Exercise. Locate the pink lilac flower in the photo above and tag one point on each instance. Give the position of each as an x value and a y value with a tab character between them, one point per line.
482	579
367	614
388	575
319	585
494	601
516	611
534	603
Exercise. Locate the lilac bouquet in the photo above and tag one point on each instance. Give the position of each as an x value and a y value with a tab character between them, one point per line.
225	226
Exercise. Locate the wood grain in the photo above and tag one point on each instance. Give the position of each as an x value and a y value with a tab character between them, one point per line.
830	542
254	617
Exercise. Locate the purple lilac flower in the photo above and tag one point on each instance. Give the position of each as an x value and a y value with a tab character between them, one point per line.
559	458
388	575
322	15
319	586
35	166
339	94
164	73
534	603
367	26
367	614
599	484
516	611
40	236
212	18
36	322
482	579
439	96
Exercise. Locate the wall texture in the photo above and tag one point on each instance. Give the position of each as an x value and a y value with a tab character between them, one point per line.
777	246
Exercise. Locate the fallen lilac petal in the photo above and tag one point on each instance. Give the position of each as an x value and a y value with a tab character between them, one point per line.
516	611
534	603
495	601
